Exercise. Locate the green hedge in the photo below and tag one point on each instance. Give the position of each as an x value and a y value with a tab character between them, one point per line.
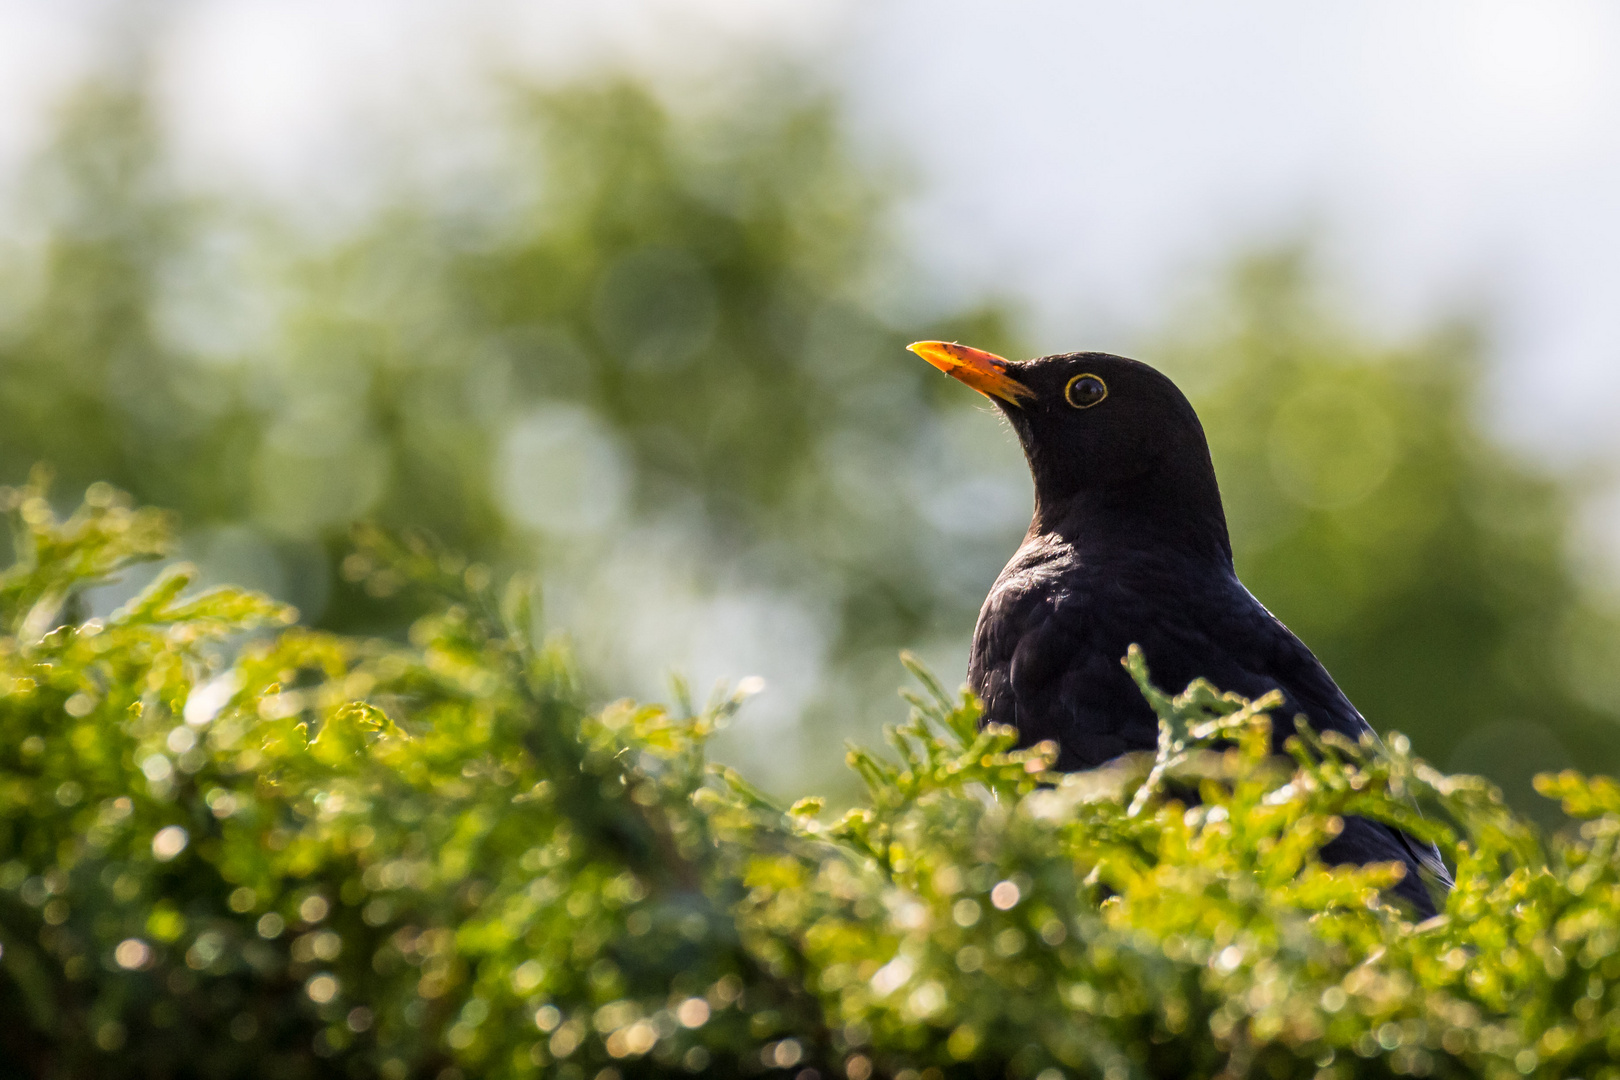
230	846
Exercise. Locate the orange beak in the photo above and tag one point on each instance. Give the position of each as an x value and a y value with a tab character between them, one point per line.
985	372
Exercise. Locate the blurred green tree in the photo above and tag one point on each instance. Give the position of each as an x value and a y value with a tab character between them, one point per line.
657	351
658	360
89	381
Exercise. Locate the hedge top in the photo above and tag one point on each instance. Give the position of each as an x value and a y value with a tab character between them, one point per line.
233	846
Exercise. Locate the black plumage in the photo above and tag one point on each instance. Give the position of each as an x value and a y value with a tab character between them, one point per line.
1129	544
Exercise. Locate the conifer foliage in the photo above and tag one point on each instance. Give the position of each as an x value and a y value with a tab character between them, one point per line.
233	846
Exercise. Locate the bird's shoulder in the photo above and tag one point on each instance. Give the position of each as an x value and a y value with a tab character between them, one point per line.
1047	649
1055	626
1224	634
1043	601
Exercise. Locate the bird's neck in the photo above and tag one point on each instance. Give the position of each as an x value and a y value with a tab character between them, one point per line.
1135	524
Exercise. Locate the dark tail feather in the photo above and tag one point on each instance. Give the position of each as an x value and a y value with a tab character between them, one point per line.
1364	841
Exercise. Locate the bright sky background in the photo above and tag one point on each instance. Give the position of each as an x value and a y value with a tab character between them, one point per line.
1098	157
1095	159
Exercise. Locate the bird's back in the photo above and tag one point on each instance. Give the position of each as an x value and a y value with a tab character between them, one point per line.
1046	660
1052	631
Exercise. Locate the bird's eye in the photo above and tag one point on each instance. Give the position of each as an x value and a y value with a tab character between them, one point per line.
1084	391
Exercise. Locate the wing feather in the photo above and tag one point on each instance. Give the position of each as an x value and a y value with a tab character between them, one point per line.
1046	661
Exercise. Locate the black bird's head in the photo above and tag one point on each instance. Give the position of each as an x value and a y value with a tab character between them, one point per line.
1116	451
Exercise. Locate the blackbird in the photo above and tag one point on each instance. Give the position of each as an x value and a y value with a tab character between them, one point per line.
1128	544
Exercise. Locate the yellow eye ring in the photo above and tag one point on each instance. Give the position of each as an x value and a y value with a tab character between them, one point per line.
1085	390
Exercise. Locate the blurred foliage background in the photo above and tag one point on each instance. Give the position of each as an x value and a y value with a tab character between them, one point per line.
654	354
